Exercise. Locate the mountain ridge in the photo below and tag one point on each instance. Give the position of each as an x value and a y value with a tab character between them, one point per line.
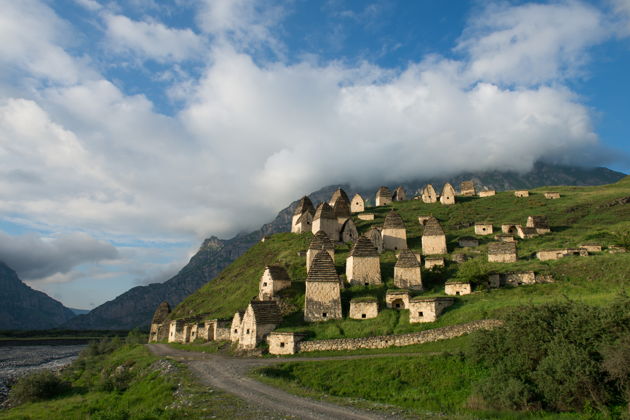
135	307
23	308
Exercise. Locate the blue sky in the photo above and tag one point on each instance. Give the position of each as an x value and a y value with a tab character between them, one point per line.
130	131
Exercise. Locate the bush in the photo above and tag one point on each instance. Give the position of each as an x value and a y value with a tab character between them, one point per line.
36	386
560	357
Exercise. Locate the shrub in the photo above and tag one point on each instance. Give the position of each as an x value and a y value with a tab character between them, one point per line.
553	356
36	386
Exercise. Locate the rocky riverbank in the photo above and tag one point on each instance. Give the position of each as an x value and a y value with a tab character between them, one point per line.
17	360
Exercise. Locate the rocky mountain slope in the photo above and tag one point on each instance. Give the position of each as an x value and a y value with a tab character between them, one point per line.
135	307
22	308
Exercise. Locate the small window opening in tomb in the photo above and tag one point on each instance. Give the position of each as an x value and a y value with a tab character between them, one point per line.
324	315
363	316
247	332
457	293
398	305
265	283
366	283
395	248
420	314
281	344
235	330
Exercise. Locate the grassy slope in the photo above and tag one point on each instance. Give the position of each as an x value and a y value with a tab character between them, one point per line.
579	216
150	394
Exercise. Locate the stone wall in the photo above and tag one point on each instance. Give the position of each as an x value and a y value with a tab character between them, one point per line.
488	193
363	310
329	226
357	205
521	193
552	195
502	258
366	216
483	229
394	239
363	271
322	298
408	278
434	245
457	289
385	341
431	262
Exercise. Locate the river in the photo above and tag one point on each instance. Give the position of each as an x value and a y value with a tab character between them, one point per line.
18	358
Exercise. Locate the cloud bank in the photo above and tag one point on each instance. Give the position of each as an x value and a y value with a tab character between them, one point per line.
249	134
36	258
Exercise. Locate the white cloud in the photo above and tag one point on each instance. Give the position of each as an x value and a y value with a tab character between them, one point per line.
33	40
532	43
152	39
244	23
34	258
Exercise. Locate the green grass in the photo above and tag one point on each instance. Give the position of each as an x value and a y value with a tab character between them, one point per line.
433	386
580	216
148	393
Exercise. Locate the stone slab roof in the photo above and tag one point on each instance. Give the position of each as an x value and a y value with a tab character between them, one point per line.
499	248
384	192
467	185
340	193
363	247
324	211
431	299
278	272
322	269
397	292
407	259
161	313
266	312
341	207
539	222
448	189
305	204
432	228
321	241
393	221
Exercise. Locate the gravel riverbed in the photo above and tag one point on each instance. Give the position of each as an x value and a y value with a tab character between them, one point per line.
16	361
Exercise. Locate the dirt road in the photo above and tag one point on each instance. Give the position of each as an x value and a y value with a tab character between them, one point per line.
230	374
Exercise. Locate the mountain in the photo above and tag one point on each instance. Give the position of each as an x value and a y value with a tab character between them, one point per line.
22	308
135	307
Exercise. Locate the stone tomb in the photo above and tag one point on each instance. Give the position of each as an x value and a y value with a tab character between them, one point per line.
521	193
320	241
468	242
322	300
284	342
428	194
433	238
363	266
304	206
383	197
504	252
366	216
407	273
430	262
427	309
260	318
467	188
274	279
357	204
394	232
235	328
487	193
397	299
552	195
457	288
448	194
483	228
363	308
326	221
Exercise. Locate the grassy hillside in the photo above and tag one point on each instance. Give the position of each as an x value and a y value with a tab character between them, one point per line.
583	214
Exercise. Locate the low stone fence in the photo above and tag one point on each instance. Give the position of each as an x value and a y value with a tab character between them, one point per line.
384	341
